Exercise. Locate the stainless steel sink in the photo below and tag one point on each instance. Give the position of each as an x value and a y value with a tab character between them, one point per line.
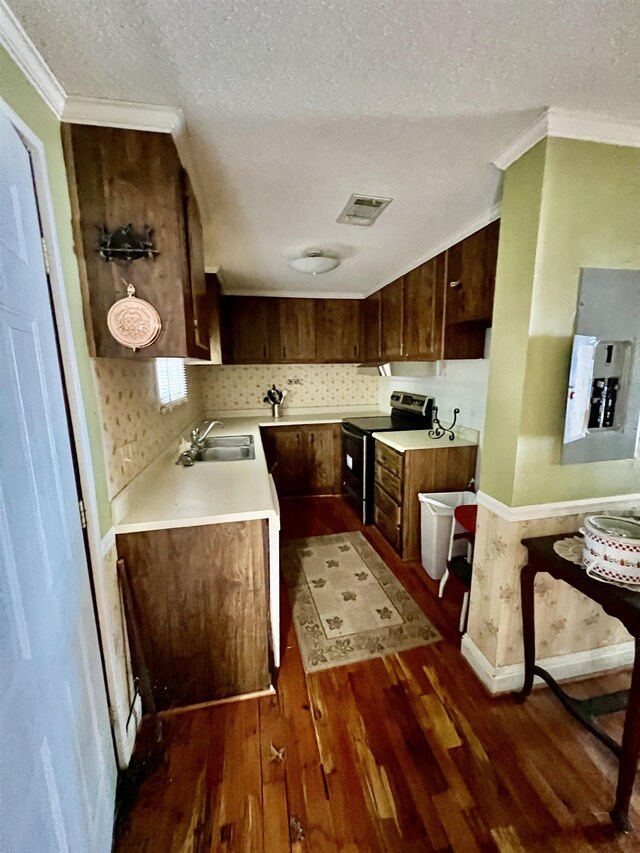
226	448
229	441
221	448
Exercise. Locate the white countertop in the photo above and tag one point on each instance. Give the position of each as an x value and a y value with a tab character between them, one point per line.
418	439
168	495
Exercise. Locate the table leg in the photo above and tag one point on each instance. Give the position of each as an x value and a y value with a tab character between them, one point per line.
630	750
527	577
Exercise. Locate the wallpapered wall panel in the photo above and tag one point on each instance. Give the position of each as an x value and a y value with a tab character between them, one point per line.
134	430
242	387
566	620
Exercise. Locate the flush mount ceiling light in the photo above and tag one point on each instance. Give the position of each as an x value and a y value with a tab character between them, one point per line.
313	262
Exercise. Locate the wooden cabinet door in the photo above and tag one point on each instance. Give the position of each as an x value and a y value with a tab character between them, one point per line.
337	330
471	277
423	310
198	307
248	329
295	330
391	325
323	444
371	328
305	460
288	459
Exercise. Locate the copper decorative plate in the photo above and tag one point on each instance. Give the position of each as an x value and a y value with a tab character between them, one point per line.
134	322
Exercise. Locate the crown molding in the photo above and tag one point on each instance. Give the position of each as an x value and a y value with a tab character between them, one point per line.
589	127
489	215
530	136
586	127
29	60
124	114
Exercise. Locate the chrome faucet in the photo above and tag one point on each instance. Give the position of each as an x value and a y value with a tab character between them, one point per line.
197	439
188	457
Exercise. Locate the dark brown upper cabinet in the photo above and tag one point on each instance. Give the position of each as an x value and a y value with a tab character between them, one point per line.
120	177
274	330
250	330
391	321
423	305
471	277
337	330
295	331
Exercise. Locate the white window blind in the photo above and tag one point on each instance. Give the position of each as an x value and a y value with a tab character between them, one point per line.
172	381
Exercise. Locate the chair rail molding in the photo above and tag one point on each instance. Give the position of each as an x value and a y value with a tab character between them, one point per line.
547	510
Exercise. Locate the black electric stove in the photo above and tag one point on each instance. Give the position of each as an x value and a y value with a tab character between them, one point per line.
408	411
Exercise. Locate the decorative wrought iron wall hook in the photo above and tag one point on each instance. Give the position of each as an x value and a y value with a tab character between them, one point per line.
438	430
124	243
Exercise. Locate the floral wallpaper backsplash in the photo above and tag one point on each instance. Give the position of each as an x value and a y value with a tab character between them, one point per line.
242	387
566	620
134	430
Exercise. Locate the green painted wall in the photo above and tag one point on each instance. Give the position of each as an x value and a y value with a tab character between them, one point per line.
519	224
589	217
25	101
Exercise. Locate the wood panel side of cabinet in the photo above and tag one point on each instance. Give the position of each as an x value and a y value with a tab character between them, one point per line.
197	305
118	177
370	345
201	600
214	315
423	310
295	331
391	320
439	469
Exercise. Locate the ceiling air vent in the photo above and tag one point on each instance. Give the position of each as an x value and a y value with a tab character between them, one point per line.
363	209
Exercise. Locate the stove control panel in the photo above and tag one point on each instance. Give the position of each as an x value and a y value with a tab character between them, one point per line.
417	404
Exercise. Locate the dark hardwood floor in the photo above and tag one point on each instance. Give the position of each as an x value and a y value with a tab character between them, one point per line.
404	753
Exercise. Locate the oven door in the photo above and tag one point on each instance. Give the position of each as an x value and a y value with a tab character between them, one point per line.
354	468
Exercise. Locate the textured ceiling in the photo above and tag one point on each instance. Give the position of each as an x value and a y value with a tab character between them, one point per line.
295	104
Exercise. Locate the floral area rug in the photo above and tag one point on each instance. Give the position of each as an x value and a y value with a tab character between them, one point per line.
347	604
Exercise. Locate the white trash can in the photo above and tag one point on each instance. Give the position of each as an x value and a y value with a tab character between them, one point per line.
436	520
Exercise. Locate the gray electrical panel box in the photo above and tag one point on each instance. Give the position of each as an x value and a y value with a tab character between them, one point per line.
603	400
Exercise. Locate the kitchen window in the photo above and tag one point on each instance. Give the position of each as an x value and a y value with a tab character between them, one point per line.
171	380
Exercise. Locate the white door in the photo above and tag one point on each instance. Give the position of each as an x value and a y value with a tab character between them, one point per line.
57	765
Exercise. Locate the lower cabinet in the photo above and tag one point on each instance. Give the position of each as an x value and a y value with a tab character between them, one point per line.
400	477
305	460
201	600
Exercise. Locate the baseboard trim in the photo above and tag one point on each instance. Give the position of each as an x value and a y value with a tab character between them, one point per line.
505	679
242	697
548	510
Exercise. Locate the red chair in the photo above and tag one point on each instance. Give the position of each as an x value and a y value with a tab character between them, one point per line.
461	566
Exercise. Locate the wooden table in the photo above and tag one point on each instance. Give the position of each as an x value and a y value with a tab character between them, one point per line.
623	605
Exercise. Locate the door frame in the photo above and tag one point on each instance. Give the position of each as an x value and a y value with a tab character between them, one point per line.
123	740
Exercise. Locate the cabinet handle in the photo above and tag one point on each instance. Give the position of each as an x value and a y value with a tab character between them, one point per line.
455	284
